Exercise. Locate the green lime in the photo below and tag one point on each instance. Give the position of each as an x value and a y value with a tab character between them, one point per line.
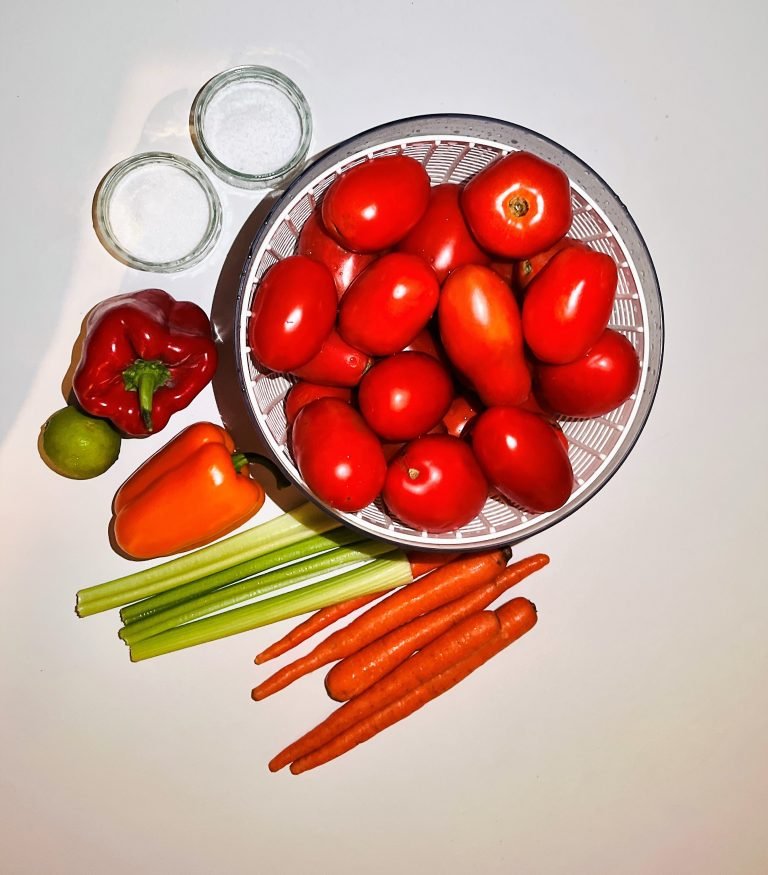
79	446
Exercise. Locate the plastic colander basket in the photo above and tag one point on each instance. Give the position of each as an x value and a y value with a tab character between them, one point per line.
452	148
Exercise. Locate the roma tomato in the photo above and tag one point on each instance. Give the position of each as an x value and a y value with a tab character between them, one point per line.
373	205
388	304
568	305
482	334
316	243
441	237
517	206
405	395
596	383
426	342
526	271
435	484
302	393
523	457
336	364
293	312
338	456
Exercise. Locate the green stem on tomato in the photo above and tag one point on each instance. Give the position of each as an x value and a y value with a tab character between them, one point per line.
211	582
250	589
377	576
300	524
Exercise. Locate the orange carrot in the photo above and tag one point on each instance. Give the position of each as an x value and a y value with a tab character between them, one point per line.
356	672
430	591
450	648
421	562
516	617
315	623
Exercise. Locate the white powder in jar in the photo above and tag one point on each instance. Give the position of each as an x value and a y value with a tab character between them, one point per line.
158	213
252	127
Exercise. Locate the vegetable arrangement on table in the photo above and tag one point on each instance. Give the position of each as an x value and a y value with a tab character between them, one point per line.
435	335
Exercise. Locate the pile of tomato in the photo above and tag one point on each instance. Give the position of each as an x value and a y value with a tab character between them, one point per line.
436	333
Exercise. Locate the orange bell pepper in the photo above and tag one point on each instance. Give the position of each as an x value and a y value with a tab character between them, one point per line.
194	490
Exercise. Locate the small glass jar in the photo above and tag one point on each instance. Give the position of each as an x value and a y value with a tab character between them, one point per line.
252	126
157	212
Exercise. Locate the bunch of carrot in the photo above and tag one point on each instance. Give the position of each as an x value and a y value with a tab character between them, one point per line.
402	652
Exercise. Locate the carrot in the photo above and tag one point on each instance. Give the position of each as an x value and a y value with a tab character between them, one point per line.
318	621
356	672
449	649
421	563
436	588
516	617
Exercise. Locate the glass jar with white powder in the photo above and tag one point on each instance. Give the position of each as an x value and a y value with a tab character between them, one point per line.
157	212
252	126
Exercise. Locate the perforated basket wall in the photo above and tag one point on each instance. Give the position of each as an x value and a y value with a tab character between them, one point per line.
453	148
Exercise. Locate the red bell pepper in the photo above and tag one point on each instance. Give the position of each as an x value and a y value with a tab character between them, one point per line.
145	356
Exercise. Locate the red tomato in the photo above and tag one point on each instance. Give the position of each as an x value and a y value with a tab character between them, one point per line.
523	458
568	305
482	334
338	456
517	206
344	265
301	394
293	312
388	304
464	408
441	237
596	383
526	271
375	204
405	395
336	364
435	484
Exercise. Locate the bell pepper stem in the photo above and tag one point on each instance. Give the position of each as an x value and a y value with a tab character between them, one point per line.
239	460
146	377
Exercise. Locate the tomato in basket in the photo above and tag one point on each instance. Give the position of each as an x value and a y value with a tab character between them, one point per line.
293	312
338	456
518	205
405	395
373	205
594	384
317	243
568	305
435	484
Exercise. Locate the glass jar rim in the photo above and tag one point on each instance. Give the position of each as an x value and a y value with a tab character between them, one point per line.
103	224
249	73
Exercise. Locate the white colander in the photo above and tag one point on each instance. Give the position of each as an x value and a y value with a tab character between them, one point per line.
452	148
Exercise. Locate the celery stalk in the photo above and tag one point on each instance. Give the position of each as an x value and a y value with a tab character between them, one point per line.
301	523
250	589
377	576
268	561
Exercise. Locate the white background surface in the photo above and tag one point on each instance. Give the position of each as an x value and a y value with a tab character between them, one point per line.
627	733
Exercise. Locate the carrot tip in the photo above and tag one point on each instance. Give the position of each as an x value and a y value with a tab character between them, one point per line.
256	695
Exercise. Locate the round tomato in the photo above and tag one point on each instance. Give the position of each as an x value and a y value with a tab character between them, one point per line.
523	457
302	393
435	484
568	305
441	237
482	334
336	364
596	383
405	395
517	206
316	243
373	205
388	304
293	312
338	456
